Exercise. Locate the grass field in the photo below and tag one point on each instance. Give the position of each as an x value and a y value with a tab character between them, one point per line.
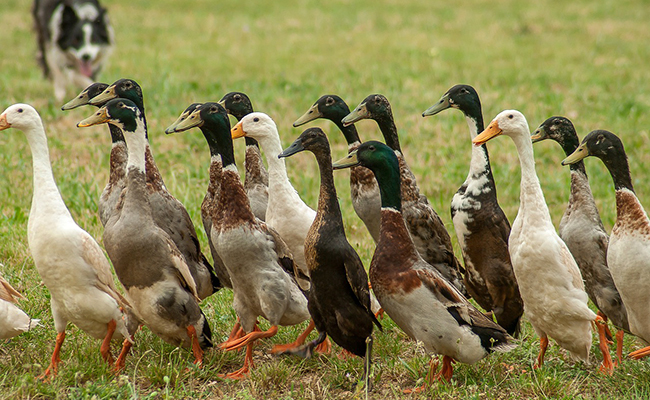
587	60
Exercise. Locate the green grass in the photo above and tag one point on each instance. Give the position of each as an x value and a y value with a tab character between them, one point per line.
586	60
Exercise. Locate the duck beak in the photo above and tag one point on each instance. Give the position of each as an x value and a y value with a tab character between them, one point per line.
237	131
539	135
310	115
103	97
100	117
359	113
81	100
172	128
346	162
222	103
183	124
580	153
491	131
296	147
441	105
3	122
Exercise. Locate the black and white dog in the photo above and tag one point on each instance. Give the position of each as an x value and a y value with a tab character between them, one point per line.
74	38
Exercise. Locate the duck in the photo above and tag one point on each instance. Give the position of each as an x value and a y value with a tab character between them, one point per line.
427	229
426	306
628	254
582	230
261	267
68	259
256	177
481	224
116	181
210	199
549	279
168	213
363	186
339	296
154	273
287	213
13	320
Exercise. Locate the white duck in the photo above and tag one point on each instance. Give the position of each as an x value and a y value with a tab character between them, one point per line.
13	320
68	259
549	279
286	212
628	254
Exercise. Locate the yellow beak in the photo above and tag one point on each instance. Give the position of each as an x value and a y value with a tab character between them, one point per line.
104	96
3	122
346	162
491	131
100	117
580	153
237	131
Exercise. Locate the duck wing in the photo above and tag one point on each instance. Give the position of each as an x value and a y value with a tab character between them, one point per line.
358	280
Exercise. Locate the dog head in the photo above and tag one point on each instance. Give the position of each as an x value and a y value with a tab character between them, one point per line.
82	31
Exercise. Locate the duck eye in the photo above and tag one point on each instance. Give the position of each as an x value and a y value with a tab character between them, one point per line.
511	116
371	148
330	100
256	119
236	97
213	109
20	110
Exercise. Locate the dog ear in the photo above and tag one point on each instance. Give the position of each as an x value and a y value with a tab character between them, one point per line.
68	21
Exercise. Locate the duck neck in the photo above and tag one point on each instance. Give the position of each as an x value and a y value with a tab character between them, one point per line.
277	168
233	205
349	132
619	169
137	147
389	131
327	200
480	162
45	188
531	195
116	134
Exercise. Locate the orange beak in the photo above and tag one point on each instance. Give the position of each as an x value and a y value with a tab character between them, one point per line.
3	122
491	131
237	131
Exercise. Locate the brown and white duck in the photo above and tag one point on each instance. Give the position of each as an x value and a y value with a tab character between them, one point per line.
480	223
583	231
256	178
363	186
429	233
147	262
168	213
628	253
417	297
261	269
69	260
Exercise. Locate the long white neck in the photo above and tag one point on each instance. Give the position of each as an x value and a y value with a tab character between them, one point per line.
479	162
531	195
47	198
136	143
277	168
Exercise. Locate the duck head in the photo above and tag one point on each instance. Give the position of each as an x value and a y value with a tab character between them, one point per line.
20	116
509	122
237	104
186	113
461	97
375	106
84	97
312	139
256	125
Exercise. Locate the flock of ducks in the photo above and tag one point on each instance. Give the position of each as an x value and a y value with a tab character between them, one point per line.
288	263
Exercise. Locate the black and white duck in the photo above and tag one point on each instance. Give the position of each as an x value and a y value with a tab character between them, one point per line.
481	226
